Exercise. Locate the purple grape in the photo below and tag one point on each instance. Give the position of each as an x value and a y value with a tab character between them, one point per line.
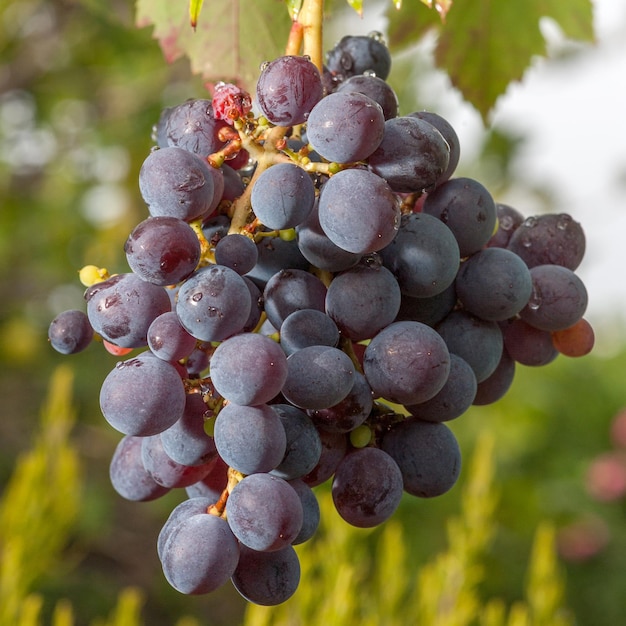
192	126
162	250
318	377
367	487
142	396
176	183
307	327
248	369
412	156
267	578
283	196
168	340
509	219
213	303
264	512
493	284
358	211
495	386
558	300
375	88
406	363
364	299
250	439
334	448
238	252
129	477
527	344
430	310
358	54
200	554
287	89
551	239
423	256
467	208
427	454
70	332
310	510
345	127
122	308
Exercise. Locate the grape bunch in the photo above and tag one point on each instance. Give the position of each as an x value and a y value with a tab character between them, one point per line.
312	297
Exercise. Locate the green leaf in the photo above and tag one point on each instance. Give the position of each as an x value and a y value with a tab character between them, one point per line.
231	41
484	45
294	6
487	44
195	6
357	5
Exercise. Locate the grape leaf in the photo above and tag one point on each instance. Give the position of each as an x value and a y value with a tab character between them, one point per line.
357	5
484	45
230	42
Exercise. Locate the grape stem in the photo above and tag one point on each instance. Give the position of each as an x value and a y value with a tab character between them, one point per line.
311	17
219	508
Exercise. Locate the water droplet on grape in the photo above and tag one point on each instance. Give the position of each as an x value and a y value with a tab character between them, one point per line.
263	66
376	35
506	222
196	297
370	73
535	300
530	222
527	243
563	221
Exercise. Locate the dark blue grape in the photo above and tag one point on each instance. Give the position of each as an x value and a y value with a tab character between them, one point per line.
407	363
427	454
375	88
310	510
307	327
495	386
70	332
358	54
238	252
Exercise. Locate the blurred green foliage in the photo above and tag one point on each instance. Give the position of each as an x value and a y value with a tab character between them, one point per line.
80	89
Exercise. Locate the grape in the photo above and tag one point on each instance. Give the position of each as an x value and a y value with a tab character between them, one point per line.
423	256
318	377
304	446
334	447
256	308
168	340
176	183
348	414
200	554
558	299
375	88
276	254
367	487
319	250
430	310
477	341
142	396
310	510
267	578
575	341
183	510
165	470
193	127
122	308
264	512
128	476
248	369
509	219
406	363
357	54
493	284
237	252
412	155
162	250
186	441
283	196
528	345
450	136
307	327
345	127
427	454
549	240
287	89
213	484
292	290
358	211
453	399
230	102
495	386
213	303
70	332
363	300
250	439
467	208
215	228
